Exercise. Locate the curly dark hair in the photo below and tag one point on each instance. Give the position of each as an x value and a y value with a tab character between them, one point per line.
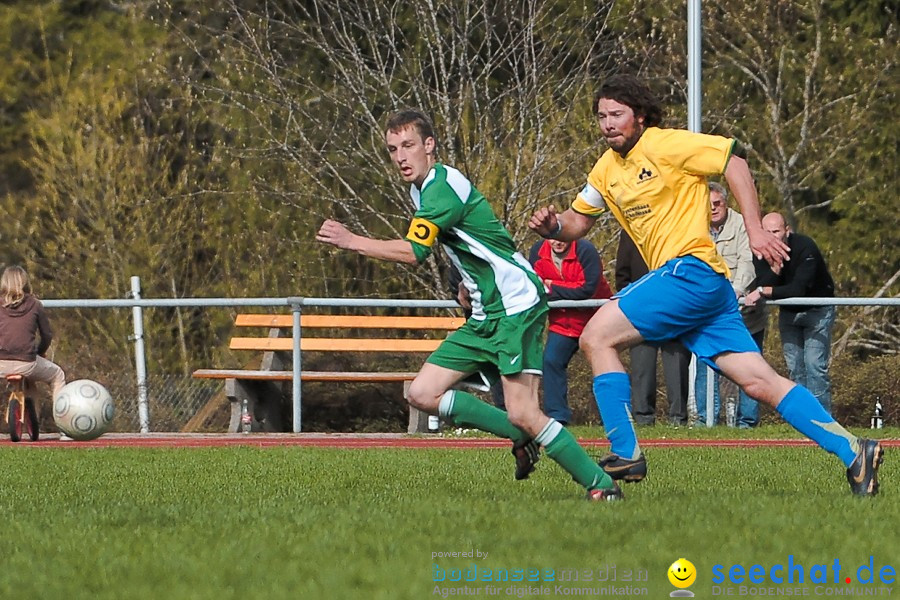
634	93
410	116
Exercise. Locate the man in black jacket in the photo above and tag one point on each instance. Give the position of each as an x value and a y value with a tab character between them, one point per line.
805	330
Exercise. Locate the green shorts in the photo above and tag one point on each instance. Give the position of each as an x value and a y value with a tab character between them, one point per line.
497	346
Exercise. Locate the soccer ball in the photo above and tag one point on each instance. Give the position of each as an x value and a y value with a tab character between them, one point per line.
83	410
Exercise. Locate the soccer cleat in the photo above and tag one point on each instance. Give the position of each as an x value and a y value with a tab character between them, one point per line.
630	471
527	454
863	472
606	494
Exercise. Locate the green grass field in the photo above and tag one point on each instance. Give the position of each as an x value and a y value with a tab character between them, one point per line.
331	523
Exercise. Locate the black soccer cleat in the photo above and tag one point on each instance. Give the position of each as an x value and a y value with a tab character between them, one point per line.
629	471
863	472
606	494
527	454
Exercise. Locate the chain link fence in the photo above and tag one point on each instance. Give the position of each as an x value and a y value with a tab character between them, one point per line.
177	403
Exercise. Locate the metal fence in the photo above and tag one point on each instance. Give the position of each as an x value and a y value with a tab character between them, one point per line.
177	403
171	402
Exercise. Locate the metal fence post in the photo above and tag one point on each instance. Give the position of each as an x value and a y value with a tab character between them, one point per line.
296	365
692	388
140	364
695	62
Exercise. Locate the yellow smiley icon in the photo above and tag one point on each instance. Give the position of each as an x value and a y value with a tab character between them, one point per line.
682	573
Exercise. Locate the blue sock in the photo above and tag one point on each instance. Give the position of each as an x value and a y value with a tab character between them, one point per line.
804	413
613	394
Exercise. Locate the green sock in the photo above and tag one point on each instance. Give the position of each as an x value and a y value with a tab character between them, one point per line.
467	410
562	447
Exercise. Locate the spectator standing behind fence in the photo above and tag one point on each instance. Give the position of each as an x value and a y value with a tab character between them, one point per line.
25	333
676	359
728	232
570	271
805	330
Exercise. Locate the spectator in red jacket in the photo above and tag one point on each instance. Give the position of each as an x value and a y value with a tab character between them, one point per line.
570	271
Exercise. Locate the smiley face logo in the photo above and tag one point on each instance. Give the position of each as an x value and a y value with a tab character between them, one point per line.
682	573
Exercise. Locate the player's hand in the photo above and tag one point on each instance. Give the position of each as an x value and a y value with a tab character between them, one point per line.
766	246
462	296
544	222
334	233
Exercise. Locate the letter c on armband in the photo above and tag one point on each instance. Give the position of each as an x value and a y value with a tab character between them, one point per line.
422	232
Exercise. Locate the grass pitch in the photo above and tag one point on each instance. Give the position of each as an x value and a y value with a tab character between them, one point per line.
298	522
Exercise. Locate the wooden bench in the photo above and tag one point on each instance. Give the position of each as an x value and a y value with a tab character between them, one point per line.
262	388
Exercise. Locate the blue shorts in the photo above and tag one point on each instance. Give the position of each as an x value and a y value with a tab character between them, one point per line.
686	300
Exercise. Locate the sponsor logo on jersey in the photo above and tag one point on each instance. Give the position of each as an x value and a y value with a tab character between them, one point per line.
645	175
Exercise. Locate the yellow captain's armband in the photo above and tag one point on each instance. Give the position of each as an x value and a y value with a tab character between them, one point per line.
422	232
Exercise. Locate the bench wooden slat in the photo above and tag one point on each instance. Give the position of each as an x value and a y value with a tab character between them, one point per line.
304	375
358	321
335	344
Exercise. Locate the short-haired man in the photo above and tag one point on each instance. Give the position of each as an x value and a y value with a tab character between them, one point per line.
654	182
504	335
805	330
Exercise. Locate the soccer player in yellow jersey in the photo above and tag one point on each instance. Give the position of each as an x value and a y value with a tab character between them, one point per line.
654	181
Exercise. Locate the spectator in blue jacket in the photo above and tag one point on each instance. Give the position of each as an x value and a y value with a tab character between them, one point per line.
570	271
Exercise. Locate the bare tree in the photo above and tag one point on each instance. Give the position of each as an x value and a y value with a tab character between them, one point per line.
307	85
790	59
873	329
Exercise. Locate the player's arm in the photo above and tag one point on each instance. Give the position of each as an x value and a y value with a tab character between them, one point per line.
573	225
336	234
575	222
567	226
762	243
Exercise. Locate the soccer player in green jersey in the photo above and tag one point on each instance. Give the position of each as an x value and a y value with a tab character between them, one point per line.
504	336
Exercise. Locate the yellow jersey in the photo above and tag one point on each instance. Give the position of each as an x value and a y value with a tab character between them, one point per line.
659	193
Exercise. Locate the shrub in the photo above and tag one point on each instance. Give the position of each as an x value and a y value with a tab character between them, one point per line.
857	385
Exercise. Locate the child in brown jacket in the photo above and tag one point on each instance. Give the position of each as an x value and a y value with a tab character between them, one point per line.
22	321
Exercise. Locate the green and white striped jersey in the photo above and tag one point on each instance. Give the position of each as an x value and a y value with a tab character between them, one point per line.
449	209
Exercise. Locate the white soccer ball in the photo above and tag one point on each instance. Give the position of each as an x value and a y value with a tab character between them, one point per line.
83	410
